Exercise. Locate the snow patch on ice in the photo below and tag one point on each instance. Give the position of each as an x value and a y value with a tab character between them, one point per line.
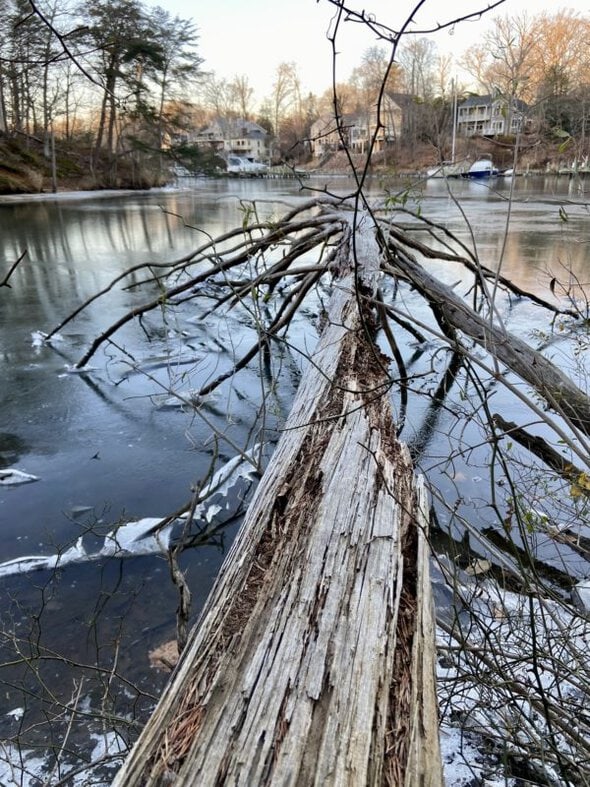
463	762
491	713
40	338
10	476
137	538
147	536
26	768
21	768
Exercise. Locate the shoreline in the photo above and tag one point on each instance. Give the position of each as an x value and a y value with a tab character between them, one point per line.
86	194
72	194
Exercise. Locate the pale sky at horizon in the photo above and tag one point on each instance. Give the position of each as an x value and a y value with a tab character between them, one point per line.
253	36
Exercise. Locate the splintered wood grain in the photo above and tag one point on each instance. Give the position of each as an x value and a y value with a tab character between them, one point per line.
305	667
424	758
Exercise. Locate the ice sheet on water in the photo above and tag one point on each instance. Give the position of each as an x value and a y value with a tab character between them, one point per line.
39	338
69	369
581	595
137	538
21	768
10	476
212	511
167	361
464	765
26	768
180	399
489	714
149	535
22	565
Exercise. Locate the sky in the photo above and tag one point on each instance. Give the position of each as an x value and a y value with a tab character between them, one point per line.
252	37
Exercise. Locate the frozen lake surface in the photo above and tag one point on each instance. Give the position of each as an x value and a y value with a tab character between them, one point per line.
115	445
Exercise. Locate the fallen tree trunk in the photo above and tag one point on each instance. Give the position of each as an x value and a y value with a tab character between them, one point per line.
313	660
547	379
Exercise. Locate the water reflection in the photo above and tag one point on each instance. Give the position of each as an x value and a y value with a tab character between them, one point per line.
103	447
539	233
75	247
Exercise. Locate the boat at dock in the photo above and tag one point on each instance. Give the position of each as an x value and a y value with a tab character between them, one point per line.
482	168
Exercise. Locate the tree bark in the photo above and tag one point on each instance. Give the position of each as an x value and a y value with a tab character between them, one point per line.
313	660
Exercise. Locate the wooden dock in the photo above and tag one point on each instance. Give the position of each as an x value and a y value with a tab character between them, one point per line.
283	171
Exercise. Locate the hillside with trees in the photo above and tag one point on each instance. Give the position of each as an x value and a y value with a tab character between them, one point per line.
98	84
107	95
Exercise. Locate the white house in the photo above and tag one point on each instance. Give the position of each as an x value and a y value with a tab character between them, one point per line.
237	137
490	116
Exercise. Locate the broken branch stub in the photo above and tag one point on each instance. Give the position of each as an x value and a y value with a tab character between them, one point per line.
313	660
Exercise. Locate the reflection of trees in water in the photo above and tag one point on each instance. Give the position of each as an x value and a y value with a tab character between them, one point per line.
544	236
539	251
72	248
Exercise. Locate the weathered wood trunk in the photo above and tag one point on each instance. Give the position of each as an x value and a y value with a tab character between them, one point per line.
313	660
547	379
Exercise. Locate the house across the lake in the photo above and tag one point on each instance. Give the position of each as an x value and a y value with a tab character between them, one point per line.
236	137
490	116
356	130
